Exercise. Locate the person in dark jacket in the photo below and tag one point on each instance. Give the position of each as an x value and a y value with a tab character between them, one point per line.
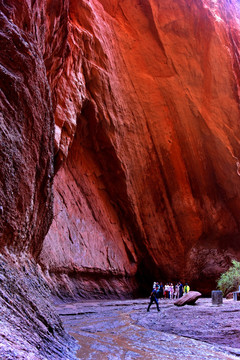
154	298
180	289
161	291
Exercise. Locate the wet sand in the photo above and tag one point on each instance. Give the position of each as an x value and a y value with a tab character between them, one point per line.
124	330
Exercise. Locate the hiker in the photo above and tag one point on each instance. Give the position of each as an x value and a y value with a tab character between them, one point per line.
154	298
171	291
176	292
161	290
186	289
166	291
180	289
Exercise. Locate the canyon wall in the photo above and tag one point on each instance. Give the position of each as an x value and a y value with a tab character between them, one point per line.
146	106
137	105
30	329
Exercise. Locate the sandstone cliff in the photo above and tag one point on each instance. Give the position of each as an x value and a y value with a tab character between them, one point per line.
29	327
138	102
146	104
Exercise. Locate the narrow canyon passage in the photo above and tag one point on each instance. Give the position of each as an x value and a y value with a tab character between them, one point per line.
120	330
119	166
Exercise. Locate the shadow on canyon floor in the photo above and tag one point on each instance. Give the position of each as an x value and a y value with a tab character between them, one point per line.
124	330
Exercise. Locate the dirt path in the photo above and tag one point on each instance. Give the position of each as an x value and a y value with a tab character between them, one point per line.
123	330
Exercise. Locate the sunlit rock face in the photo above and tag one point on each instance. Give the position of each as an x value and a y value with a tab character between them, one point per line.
146	103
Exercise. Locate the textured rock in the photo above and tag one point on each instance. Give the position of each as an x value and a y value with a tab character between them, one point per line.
145	99
29	327
229	296
146	107
26	134
171	332
188	299
204	322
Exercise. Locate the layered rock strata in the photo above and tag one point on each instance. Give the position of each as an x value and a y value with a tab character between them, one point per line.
30	329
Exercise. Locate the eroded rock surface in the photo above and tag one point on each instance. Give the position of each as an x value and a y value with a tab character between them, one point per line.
124	329
144	100
26	132
30	329
146	103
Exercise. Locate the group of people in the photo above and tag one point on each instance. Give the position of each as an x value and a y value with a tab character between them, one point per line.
168	291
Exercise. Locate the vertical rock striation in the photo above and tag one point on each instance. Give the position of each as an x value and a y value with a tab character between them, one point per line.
138	101
147	132
29	327
27	126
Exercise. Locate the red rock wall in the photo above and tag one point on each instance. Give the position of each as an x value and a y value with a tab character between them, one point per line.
29	326
146	106
145	100
26	131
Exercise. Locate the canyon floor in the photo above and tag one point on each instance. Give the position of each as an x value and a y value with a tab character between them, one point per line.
124	330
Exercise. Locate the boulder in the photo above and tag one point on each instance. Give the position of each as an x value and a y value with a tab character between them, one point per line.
229	296
189	299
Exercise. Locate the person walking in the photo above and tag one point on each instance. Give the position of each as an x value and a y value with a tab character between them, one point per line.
154	298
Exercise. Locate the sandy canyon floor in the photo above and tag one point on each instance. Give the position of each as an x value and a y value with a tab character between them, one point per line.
123	330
